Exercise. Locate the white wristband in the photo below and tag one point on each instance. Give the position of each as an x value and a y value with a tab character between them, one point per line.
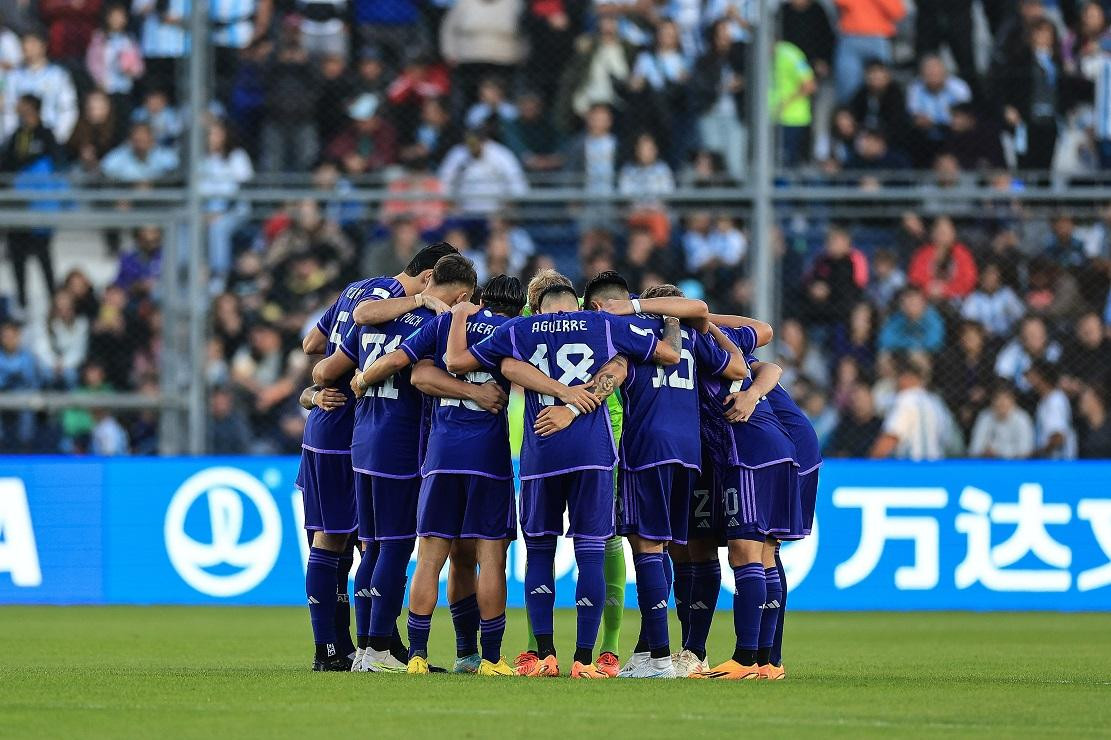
636	305
574	410
312	399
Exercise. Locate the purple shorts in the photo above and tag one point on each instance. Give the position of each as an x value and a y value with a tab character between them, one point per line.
455	506
387	507
808	493
327	485
586	495
762	502
654	502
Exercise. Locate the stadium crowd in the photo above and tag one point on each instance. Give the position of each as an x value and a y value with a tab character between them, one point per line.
474	102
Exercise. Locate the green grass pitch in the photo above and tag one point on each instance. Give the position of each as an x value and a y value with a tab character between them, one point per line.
243	672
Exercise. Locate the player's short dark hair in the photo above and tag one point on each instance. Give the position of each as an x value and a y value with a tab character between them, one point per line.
555	290
602	282
427	258
504	294
454	269
663	290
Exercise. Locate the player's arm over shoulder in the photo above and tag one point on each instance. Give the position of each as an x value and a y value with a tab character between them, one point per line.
332	368
763	329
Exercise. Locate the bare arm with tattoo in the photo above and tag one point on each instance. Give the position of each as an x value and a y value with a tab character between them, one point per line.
611	375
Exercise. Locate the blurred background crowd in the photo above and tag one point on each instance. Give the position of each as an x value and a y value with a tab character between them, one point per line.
990	318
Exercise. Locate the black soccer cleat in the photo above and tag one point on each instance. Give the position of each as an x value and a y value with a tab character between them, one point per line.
339	663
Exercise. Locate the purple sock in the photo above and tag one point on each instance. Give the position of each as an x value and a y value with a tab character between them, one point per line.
540	582
464	615
387	588
493	630
652	597
705	586
776	655
590	592
419	626
751	595
320	588
362	592
684	581
770	616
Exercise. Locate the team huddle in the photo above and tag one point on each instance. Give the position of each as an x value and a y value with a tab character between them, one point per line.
646	418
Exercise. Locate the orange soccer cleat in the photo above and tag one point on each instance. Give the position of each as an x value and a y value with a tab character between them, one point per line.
546	668
730	670
771	672
608	664
524	663
578	670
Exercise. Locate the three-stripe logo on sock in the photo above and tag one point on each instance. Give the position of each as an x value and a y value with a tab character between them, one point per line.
312	600
698	605
584	602
374	592
773	604
614	601
363	593
661	605
541	589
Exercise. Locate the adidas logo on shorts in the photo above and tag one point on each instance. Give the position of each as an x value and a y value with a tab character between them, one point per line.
733	522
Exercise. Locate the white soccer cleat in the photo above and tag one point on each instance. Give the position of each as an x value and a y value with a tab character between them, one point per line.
381	662
685	663
651	668
636	660
357	661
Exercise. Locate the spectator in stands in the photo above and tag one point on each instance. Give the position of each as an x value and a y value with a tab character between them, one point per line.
944	269
481	174
223	170
646	181
115	60
1032	90
798	356
865	29
1004	430
308	232
993	305
806	25
966	373
140	268
1065	247
930	100
236	27
858	427
1032	343
420	81
69	24
48	82
657	93
61	343
1054	437
432	137
1086	360
714	248
492	107
1052	291
1095	424
108	438
593	155
872	152
228	430
17	373
139	160
94	135
393	27
369	142
165	121
793	84
551	28
264	377
914	428
887	279
163	39
880	103
532	136
949	23
323	27
822	415
916	325
480	38
80	288
974	139
717	92
292	88
834	283
113	338
395	252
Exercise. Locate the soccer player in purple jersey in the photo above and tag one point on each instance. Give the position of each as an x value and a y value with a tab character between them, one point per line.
761	503
325	476
385	452
659	467
572	472
467	495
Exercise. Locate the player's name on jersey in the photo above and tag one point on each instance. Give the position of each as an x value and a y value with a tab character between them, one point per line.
559	325
481	327
411	319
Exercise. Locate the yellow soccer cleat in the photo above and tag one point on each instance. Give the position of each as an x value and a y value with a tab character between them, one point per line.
730	670
578	670
608	664
417	665
501	668
546	668
771	672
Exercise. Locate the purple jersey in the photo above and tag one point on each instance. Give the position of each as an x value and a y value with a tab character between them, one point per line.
570	347
464	438
388	419
762	440
330	431
808	451
661	403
